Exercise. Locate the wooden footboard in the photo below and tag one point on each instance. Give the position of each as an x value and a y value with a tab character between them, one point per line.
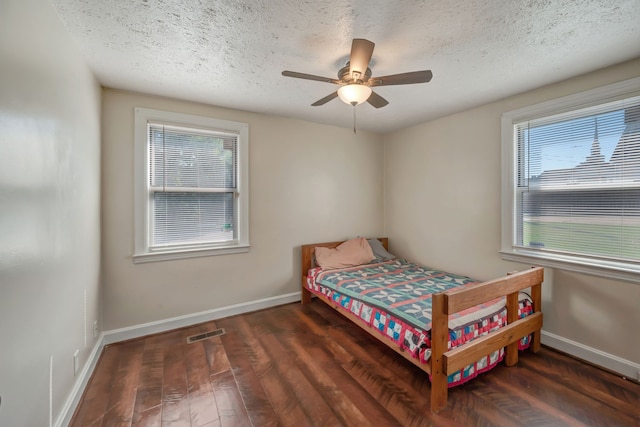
443	362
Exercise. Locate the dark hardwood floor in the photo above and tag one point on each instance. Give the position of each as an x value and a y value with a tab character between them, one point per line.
298	365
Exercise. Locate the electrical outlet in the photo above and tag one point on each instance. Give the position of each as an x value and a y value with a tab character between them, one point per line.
76	363
95	329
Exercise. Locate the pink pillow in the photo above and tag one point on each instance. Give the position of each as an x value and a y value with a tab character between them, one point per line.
347	254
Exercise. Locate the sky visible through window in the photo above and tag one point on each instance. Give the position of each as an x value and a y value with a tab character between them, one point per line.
568	143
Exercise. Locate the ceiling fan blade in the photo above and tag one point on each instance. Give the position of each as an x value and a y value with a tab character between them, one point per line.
325	99
423	76
361	51
376	100
309	77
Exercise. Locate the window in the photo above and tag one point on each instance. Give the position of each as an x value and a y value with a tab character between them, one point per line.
571	190
191	193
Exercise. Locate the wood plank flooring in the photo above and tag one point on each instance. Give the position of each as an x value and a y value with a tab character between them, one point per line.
298	365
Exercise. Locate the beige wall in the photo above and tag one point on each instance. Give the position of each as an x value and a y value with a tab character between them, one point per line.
442	208
49	212
308	183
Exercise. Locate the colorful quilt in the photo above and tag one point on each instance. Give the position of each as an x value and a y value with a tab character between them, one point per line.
394	297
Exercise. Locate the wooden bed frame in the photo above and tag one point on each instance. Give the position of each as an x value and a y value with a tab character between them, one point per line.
442	362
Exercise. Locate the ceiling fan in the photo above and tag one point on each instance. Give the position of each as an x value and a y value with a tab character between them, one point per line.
356	81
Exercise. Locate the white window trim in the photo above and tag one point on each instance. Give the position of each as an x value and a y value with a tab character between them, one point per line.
581	264
142	252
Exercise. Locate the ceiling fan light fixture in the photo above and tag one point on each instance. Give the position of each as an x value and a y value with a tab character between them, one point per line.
355	79
354	94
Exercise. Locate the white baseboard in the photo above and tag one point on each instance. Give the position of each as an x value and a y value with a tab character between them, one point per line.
137	331
70	405
625	368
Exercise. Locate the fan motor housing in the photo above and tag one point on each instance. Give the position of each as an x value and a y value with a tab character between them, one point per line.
344	74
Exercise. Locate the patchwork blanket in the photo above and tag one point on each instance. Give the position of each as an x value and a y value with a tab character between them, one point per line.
394	297
398	287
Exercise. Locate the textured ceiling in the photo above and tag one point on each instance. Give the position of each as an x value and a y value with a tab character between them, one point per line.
230	53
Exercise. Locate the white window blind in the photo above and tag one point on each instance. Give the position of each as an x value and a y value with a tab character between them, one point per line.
577	183
192	185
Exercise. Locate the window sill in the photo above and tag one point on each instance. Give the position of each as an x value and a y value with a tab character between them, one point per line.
170	255
609	269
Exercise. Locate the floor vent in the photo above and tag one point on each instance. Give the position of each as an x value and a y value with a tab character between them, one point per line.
204	336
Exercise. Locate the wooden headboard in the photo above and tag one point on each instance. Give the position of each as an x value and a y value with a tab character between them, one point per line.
308	259
309	250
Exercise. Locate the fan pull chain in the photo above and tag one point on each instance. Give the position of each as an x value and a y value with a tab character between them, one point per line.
354	116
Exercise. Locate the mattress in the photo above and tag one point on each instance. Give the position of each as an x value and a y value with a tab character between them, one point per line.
394	298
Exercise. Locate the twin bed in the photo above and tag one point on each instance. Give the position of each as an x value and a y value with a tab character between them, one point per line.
450	326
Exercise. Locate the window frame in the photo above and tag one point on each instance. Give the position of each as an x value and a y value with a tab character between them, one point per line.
621	270
142	194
